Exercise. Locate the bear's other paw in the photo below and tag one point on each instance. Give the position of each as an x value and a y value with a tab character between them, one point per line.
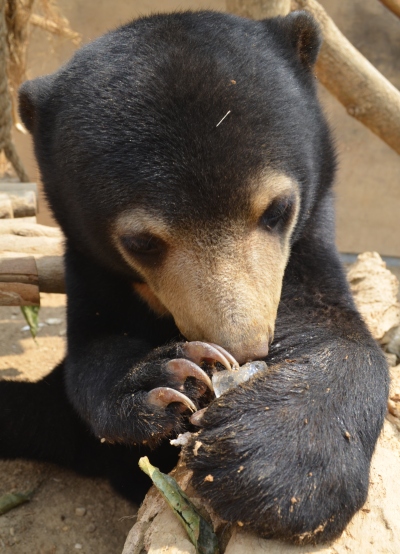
279	467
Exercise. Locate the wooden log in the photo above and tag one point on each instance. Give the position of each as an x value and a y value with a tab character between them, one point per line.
24	205
19	237
393	6
365	93
6	209
19	282
40	245
45	273
18	205
15	187
23	197
50	270
51	274
258	9
27	227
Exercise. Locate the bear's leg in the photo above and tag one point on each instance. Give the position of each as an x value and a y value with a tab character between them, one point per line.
289	451
37	422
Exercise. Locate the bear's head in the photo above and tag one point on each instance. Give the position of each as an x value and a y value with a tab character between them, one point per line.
187	152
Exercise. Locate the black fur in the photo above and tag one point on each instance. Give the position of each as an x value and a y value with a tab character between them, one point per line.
131	121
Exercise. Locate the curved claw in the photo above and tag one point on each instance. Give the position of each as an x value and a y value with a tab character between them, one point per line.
234	363
182	369
197	352
164	396
195	419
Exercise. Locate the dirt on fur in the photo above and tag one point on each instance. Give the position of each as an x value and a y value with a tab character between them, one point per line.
68	513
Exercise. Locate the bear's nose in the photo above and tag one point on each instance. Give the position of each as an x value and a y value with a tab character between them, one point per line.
249	354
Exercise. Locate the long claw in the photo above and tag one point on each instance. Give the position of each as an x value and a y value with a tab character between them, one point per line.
164	396
198	351
234	363
182	369
195	419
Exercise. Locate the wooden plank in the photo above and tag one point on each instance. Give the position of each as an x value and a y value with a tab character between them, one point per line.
19	294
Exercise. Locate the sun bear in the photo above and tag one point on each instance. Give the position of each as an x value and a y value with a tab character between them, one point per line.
189	164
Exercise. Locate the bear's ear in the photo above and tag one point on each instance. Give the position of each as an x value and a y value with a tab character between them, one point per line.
304	35
32	96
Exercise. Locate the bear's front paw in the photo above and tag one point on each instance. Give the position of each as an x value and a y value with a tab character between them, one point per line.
152	399
276	467
176	373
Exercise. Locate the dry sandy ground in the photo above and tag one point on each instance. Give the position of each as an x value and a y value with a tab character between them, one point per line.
52	523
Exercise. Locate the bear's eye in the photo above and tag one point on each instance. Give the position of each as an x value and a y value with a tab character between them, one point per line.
142	244
277	215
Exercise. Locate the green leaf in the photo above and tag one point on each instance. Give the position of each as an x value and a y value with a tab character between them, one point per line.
31	315
12	500
200	532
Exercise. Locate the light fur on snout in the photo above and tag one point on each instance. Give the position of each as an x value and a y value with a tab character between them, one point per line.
228	296
220	286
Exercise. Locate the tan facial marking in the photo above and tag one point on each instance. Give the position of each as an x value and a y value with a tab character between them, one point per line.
139	220
221	286
271	186
145	292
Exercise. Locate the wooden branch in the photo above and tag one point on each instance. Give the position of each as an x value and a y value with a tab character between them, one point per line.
24	205
23	277
392	5
21	205
27	227
19	282
6	209
21	196
41	246
258	9
55	27
51	274
357	84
